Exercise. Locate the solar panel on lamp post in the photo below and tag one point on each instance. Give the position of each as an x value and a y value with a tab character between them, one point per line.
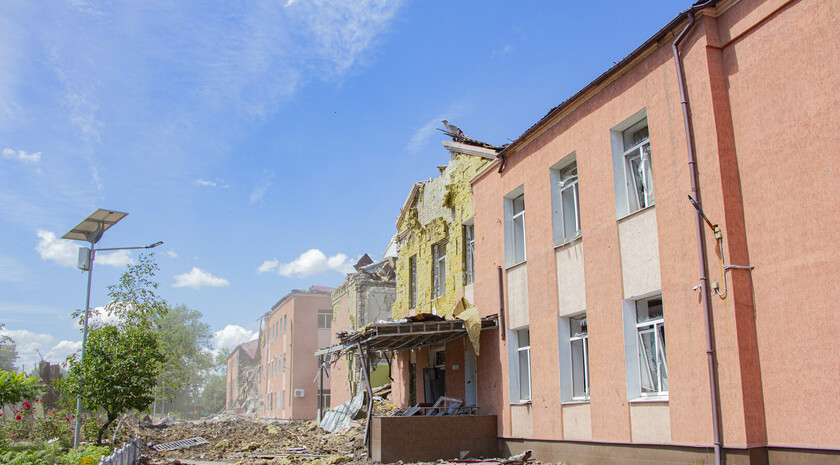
91	230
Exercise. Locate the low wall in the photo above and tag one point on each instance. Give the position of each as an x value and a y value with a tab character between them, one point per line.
593	453
427	439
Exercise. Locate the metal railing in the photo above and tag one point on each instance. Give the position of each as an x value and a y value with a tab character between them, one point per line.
129	454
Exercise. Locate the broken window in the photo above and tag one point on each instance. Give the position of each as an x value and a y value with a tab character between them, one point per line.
524	363
650	329
579	339
325	319
412	281
439	269
639	178
519	228
565	203
469	254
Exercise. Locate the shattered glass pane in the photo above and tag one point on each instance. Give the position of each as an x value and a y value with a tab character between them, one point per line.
647	360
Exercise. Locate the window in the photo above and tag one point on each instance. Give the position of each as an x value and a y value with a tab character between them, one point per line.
579	340
565	203
523	338
639	178
439	269
325	399
412	281
515	227
469	254
653	366
325	319
519	228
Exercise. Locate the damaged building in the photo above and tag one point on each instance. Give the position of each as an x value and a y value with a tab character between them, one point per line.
243	374
435	275
365	297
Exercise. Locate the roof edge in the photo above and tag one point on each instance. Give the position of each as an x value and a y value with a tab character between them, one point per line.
546	121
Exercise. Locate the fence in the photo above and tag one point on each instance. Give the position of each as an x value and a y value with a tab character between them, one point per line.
128	455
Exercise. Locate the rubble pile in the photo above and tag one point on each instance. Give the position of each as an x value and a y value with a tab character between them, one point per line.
245	441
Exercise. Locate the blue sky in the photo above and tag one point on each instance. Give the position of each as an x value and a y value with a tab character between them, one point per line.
269	144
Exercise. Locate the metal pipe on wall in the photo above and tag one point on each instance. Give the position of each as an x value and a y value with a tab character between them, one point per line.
701	242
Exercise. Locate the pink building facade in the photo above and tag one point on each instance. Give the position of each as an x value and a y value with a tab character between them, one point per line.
588	216
292	331
241	366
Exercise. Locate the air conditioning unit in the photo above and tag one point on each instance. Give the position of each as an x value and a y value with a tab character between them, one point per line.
298	392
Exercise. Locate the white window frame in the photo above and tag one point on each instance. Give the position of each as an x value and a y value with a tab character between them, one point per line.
628	149
469	254
515	232
564	182
636	324
439	269
655	326
642	177
325	319
582	338
519	372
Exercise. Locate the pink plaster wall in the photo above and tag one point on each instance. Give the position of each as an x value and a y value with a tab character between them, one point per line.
339	385
299	343
762	81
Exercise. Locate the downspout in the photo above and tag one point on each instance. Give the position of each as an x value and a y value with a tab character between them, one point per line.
698	222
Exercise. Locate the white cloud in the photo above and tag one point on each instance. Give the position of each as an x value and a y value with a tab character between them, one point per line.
261	188
198	278
66	253
119	259
504	51
311	262
61	350
28	344
206	183
268	265
98	316
171	254
22	156
422	135
232	336
61	251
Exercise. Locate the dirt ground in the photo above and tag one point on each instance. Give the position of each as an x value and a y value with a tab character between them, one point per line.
245	441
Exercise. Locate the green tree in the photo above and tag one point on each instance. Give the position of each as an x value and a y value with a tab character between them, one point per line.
8	352
118	373
133	299
185	342
213	395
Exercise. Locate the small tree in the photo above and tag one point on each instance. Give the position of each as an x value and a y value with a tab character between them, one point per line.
118	373
8	352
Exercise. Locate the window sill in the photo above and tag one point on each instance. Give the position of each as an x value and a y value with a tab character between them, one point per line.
575	402
572	240
643	399
521	402
636	213
516	265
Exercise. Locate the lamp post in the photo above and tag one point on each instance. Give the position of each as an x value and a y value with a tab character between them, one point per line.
91	230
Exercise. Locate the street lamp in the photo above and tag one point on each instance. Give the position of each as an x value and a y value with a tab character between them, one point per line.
91	230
